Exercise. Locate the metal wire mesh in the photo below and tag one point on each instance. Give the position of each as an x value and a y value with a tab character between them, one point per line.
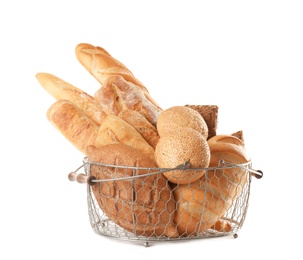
127	208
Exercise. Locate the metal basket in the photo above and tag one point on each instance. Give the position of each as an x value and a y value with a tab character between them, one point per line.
232	205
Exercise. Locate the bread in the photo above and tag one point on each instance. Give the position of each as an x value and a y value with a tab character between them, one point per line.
222	226
115	130
202	203
73	124
61	89
117	95
228	148
210	115
99	63
239	134
181	116
142	125
144	206
178	147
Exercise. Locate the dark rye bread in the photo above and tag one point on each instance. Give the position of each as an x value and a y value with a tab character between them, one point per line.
144	206
210	115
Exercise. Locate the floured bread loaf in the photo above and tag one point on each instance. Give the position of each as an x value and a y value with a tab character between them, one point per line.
144	206
117	94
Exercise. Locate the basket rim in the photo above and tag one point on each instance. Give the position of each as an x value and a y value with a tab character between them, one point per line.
185	166
154	171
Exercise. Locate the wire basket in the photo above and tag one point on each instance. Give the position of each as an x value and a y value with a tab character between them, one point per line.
144	206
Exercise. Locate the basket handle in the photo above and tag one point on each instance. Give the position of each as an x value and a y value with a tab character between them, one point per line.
256	173
81	178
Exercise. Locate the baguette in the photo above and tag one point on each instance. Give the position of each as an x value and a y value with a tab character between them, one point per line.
115	130
142	125
99	63
118	94
75	126
61	89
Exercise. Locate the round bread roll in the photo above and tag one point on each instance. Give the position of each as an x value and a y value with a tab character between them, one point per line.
142	205
178	147
181	116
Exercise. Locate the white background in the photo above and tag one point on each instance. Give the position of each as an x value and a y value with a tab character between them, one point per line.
244	56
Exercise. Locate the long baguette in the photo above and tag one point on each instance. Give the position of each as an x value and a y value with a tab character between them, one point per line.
99	63
61	89
73	124
116	130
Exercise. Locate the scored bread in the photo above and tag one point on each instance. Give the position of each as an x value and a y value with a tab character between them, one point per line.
117	94
73	124
61	89
142	125
116	130
99	63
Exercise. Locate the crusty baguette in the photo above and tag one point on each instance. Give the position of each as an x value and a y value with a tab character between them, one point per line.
61	89
78	128
142	125
115	130
99	63
118	94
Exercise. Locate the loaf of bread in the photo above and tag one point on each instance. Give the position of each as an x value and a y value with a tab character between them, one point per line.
99	63
73	124
142	125
184	145
210	115
181	116
202	203
61	89
115	130
145	205
117	94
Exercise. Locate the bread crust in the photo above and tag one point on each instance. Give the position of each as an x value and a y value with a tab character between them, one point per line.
62	90
210	115
73	124
144	206
117	95
183	145
202	203
181	116
99	63
116	130
142	125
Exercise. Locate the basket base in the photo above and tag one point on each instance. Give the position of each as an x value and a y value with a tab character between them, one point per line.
109	229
